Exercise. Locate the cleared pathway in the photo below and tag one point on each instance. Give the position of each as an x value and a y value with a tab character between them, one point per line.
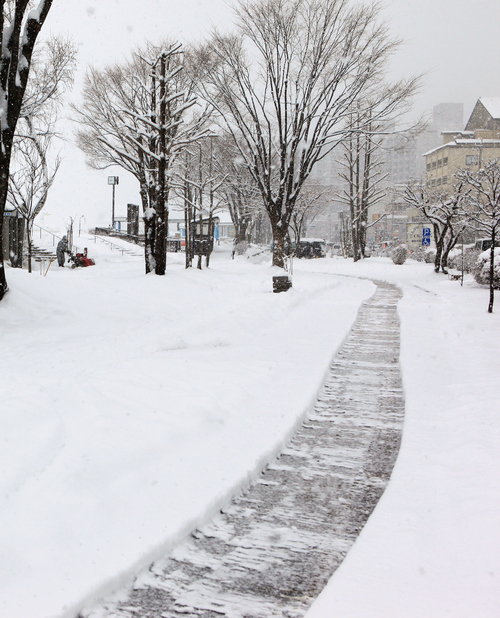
274	547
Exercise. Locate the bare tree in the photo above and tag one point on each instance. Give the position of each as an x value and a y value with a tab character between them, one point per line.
237	189
19	29
198	185
52	72
363	171
447	214
32	171
484	207
136	115
30	183
313	199
284	85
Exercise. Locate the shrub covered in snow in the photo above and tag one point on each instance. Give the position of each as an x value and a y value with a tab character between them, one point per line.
424	255
429	257
469	261
481	270
399	254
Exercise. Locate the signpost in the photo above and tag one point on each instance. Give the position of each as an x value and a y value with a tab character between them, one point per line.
426	237
113	180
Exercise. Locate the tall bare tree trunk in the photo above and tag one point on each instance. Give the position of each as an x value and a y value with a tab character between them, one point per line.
187	214
161	204
492	270
279	235
4	184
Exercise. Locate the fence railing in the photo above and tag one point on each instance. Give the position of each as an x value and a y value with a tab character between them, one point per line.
74	249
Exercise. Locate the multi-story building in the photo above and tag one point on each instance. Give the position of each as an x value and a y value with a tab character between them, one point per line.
400	159
445	117
480	140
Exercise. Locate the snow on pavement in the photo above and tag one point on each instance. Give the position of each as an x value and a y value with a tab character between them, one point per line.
431	548
133	406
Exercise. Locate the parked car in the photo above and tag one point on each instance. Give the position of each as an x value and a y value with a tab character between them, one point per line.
311	248
483	244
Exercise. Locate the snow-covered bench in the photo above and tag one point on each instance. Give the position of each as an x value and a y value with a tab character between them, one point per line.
454	275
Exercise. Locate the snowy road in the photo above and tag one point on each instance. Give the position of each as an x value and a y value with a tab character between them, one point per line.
272	550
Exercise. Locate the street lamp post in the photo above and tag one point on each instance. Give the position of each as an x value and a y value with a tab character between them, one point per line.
80	224
113	180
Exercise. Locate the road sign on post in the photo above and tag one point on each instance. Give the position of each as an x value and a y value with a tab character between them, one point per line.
426	237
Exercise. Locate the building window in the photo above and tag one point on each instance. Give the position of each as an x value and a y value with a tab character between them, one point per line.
445	161
471	159
445	180
438	182
440	162
433	182
428	167
433	165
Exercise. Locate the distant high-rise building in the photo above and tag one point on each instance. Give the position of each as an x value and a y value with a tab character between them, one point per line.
400	158
326	170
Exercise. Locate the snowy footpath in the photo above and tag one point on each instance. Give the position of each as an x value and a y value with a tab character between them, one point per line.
273	548
134	408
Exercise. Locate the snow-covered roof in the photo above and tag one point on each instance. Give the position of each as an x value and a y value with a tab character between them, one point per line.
224	217
466	142
492	105
477	141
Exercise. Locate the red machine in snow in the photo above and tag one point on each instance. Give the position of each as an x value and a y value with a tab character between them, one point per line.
81	259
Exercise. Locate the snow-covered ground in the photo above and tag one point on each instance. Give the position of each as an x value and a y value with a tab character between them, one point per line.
133	406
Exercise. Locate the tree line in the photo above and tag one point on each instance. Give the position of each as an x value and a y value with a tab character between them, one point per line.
472	204
242	118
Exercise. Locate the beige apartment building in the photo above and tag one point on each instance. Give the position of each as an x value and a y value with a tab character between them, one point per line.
479	141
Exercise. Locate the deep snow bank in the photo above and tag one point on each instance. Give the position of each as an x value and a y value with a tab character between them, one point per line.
134	405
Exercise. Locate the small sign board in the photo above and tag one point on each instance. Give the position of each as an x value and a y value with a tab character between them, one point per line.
426	241
426	231
113	180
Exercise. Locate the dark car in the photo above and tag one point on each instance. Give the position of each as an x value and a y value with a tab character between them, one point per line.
311	248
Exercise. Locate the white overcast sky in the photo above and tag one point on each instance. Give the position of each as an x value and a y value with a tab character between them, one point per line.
456	42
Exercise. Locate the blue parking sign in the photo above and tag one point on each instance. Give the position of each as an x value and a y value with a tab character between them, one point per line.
426	231
426	241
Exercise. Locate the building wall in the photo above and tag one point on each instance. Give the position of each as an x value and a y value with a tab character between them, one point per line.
443	162
400	159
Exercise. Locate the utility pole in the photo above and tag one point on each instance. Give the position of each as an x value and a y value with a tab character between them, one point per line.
113	180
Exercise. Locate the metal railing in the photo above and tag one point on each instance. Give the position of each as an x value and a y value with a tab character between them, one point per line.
113	245
75	249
